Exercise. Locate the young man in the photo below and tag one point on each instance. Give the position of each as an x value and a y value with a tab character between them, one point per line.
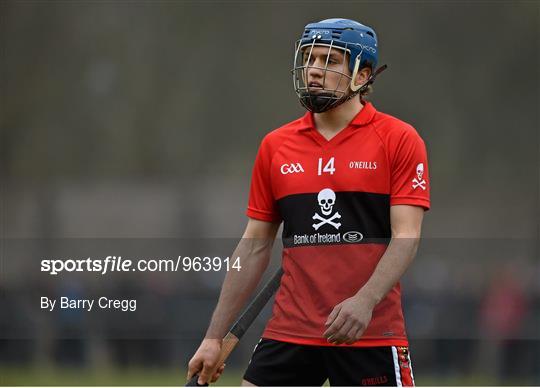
351	186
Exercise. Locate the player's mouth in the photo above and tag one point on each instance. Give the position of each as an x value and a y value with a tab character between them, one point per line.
315	85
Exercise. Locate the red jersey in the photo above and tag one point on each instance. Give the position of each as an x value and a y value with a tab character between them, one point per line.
334	198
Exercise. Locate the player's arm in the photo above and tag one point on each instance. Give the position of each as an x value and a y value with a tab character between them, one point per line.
254	250
349	319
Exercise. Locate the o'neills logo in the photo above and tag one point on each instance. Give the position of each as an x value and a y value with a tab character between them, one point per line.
362	165
379	380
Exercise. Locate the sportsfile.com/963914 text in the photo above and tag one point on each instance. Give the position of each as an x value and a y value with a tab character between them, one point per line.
111	264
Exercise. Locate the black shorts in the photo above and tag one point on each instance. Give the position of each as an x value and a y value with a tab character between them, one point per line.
276	363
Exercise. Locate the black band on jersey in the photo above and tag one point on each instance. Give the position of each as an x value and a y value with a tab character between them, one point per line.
357	217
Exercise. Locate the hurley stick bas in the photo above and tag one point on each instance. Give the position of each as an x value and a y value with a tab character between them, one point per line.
243	323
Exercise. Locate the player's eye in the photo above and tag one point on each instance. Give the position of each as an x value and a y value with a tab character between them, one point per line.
334	61
310	58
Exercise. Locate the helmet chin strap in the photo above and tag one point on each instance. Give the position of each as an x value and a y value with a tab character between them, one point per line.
318	103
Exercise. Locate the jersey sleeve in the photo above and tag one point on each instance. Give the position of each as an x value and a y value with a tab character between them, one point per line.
409	171
261	204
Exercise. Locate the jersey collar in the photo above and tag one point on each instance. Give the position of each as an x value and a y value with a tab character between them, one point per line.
364	117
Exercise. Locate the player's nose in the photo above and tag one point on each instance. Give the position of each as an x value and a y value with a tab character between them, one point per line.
315	71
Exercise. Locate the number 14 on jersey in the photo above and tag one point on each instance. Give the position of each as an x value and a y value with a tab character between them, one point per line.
328	167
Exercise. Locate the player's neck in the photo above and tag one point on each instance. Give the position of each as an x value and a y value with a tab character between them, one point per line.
331	122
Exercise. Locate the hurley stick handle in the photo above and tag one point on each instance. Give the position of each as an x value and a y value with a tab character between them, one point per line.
244	322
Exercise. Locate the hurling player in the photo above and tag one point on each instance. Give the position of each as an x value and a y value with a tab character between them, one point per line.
350	185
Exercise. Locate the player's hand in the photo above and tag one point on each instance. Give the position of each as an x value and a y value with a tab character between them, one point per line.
348	320
205	362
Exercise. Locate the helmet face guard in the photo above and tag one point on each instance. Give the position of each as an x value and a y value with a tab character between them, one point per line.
319	100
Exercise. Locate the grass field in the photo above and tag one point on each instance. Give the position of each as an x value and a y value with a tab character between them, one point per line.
66	376
172	377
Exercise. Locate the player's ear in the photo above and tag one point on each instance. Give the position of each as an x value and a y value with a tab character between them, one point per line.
363	75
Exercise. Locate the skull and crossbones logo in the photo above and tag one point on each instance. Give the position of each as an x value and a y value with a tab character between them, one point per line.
326	199
418	181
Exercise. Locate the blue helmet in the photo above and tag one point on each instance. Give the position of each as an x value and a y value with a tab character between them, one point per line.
358	41
347	34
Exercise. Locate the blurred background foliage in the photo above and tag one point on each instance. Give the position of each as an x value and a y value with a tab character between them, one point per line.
142	119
